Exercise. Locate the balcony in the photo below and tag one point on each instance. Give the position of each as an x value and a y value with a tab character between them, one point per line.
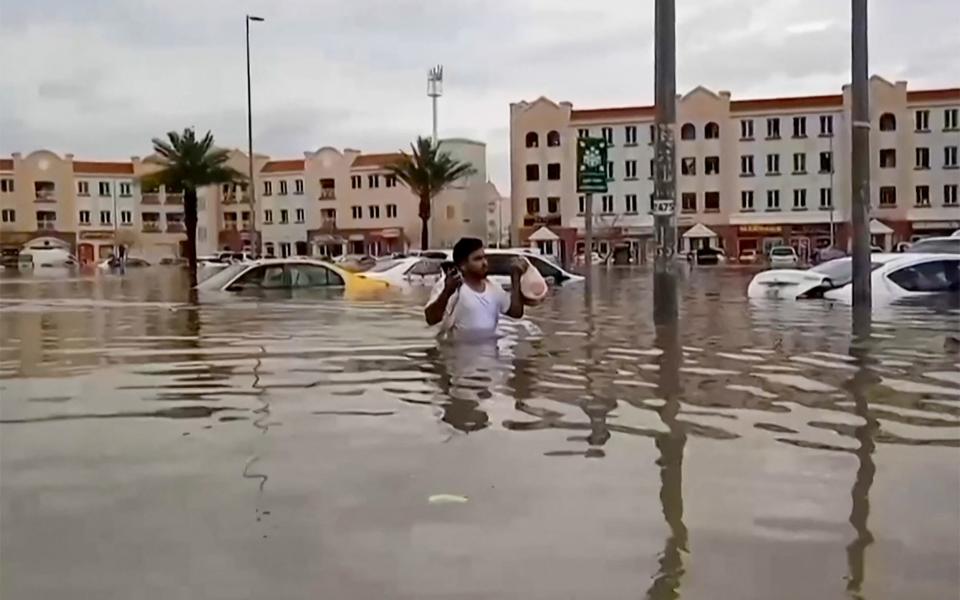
46	196
176	227
151	227
46	225
171	198
150	198
329	194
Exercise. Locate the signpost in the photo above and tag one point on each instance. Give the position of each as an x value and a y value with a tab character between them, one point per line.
591	178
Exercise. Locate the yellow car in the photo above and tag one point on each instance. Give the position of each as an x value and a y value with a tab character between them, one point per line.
290	273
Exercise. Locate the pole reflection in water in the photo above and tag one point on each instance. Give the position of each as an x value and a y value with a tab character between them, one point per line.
671	445
859	386
595	405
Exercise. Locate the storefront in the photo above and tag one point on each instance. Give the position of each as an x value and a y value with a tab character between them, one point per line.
805	238
924	229
94	246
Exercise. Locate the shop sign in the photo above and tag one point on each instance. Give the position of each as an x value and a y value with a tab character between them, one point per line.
762	229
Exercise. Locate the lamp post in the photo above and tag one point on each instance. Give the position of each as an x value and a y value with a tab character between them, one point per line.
860	169
251	186
664	182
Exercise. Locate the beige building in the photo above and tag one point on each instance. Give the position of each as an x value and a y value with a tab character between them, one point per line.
750	173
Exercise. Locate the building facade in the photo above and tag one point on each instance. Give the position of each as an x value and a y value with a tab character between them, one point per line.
750	174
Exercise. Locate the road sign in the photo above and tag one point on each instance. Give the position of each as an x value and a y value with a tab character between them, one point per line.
663	207
591	165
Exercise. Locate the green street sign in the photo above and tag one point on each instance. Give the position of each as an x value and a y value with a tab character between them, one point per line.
591	165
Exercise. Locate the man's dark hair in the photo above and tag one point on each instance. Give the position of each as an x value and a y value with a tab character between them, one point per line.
464	248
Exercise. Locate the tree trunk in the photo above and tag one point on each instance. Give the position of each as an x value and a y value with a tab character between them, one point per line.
190	221
424	221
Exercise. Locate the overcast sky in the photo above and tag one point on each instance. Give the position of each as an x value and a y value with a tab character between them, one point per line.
99	78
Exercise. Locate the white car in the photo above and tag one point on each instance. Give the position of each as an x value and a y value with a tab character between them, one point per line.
783	256
949	245
410	271
893	276
130	261
43	256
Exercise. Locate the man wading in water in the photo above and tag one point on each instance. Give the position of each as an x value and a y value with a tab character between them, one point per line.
467	303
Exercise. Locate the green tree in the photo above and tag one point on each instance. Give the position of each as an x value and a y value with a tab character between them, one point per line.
427	172
188	164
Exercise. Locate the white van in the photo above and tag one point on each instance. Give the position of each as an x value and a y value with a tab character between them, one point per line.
36	257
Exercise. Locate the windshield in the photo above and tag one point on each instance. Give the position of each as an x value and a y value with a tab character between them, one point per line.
781	252
222	277
840	270
384	266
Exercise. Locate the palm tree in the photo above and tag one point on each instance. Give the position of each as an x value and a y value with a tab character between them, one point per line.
189	164
427	172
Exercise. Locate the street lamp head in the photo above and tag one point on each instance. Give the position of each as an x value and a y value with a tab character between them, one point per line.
253	18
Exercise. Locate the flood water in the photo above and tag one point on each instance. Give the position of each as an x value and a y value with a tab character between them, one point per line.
293	446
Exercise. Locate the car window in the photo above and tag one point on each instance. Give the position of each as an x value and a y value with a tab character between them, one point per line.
264	277
499	264
306	276
218	279
946	246
546	269
932	276
781	252
425	268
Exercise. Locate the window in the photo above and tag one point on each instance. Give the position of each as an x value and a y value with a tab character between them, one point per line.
746	129
373	181
888	196
533	206
533	172
553	205
932	276
126	217
688	166
630	135
532	140
83	188
284	216
773	164
888	122
888	158
923	195
950	157
581	205
584	133
125	189
607	133
653	134
46	218
826	125
652	168
773	199
631	204
711	202
390	180
923	120
553	139
746	200
630	169
84	217
104	188
308	276
773	128
799	162
711	165
799	127
606	204
553	171
373	211
268	250
826	198
298	187
688	202
356	182
283	187
6	185
284	253
391	211
8	215
711	131
301	215
950	194
356	212
105	217
826	162
609	170
923	158
746	164
688	132
267	188
799	199
268	217
949	119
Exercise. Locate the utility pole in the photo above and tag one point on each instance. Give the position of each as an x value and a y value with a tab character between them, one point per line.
251	184
860	162
664	181
434	91
588	234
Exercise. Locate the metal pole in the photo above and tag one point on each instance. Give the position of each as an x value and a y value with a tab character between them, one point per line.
251	185
664	183
588	234
436	140
860	163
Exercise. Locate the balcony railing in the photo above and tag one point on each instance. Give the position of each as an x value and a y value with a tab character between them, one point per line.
46	196
171	198
151	227
176	227
150	198
328	194
230	226
46	225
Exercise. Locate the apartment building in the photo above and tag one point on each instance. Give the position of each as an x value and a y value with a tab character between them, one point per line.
498	217
750	173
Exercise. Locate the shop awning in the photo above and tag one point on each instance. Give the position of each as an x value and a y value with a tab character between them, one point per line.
699	231
389	233
326	238
879	228
543	235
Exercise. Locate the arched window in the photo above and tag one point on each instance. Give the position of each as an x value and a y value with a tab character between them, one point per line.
711	131
688	132
888	122
533	140
553	138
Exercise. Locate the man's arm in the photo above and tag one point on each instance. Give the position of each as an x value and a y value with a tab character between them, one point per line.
435	310
516	296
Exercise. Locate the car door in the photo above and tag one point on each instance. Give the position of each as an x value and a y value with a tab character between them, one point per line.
927	277
313	276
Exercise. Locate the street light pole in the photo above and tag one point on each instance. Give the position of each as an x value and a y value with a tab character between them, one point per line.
860	189
664	182
251	186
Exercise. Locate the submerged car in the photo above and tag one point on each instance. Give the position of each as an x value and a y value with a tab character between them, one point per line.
116	263
948	245
499	261
288	273
893	276
783	256
748	256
